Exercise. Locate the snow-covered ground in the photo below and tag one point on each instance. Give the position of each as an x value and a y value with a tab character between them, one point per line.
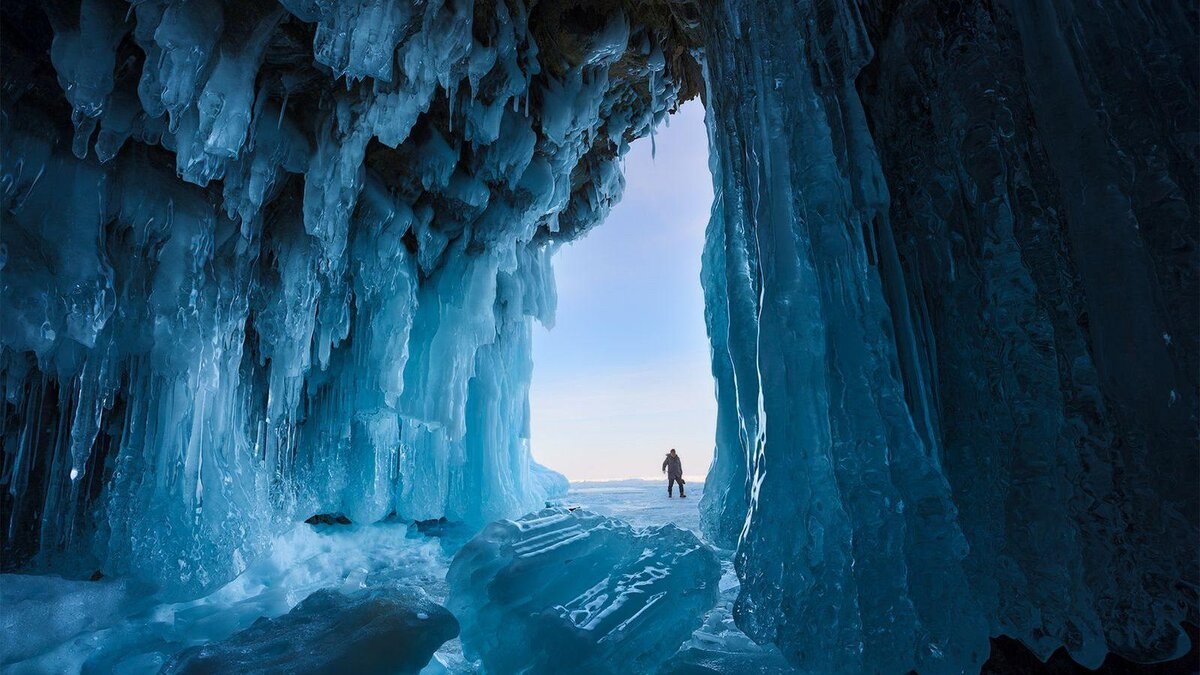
57	625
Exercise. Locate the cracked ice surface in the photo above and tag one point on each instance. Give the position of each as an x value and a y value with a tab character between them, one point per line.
115	625
717	644
563	589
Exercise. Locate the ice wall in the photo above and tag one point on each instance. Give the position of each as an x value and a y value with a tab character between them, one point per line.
951	278
267	260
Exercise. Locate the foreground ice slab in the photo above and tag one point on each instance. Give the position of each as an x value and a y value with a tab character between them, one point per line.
572	591
59	609
329	632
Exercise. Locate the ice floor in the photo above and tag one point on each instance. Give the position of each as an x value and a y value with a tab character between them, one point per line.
115	626
718	646
639	502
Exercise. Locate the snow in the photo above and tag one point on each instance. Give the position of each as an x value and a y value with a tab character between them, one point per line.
640	502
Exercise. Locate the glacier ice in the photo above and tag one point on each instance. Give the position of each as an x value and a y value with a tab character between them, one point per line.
330	631
564	590
261	261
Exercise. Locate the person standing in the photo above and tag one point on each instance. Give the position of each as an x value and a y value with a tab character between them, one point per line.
674	470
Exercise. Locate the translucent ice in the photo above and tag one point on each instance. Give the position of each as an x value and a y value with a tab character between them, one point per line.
299	272
562	590
117	626
937	275
330	631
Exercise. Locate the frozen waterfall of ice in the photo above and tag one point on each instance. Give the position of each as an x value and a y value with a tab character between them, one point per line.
281	260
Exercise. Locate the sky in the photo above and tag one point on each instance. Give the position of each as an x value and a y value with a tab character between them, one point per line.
624	374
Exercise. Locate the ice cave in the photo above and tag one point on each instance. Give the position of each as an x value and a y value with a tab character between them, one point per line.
269	271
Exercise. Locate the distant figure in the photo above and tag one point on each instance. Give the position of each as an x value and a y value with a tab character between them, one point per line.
674	470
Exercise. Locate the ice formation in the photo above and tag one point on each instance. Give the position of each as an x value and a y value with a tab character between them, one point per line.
328	632
951	281
263	261
571	591
118	626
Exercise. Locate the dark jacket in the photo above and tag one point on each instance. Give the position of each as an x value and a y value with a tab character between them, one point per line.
673	466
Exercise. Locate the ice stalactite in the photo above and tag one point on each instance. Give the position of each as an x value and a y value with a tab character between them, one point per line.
268	260
954	350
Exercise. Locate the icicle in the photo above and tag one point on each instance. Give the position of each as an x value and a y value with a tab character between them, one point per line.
286	348
653	104
283	108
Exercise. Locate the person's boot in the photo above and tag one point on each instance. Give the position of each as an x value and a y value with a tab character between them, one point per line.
682	496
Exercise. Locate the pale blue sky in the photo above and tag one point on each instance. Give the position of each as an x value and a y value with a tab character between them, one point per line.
624	375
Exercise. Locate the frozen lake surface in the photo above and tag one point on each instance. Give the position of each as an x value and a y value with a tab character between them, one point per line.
641	503
718	646
112	625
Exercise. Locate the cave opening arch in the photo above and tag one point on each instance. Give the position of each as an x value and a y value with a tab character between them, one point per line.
624	373
954	295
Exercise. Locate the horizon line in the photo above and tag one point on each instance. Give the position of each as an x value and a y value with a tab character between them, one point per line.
696	478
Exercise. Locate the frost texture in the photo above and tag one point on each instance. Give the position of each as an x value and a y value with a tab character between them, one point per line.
262	261
562	590
951	285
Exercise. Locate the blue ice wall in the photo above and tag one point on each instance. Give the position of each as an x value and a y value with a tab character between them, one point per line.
952	293
265	260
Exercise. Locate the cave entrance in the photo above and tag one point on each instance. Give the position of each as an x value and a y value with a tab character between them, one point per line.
624	375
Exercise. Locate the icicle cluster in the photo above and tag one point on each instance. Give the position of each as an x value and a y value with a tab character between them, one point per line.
274	260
